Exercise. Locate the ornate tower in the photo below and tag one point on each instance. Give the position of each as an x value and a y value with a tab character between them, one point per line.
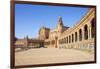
60	25
44	33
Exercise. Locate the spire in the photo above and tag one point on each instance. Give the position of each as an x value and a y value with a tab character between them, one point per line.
60	18
60	22
60	25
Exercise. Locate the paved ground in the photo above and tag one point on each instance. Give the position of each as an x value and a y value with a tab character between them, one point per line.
51	55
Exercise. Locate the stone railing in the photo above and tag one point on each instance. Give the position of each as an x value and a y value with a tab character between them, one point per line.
86	45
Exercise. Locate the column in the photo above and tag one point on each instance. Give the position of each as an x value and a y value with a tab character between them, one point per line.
88	32
82	37
78	36
77	39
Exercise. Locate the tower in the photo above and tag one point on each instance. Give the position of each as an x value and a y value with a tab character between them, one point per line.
60	25
44	33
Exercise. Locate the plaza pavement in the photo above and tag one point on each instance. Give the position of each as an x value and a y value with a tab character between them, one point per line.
51	55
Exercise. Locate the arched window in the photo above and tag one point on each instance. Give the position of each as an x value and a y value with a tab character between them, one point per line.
80	35
75	36
72	37
85	32
93	28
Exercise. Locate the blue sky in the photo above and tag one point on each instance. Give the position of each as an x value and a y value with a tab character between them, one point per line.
29	18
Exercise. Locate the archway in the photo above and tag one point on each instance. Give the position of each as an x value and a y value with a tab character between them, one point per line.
93	28
75	36
72	37
69	39
85	32
80	35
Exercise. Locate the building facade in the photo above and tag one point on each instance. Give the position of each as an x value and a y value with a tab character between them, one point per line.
81	36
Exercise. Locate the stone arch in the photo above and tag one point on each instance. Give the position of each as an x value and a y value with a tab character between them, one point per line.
72	37
69	38
93	28
85	32
75	36
80	35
